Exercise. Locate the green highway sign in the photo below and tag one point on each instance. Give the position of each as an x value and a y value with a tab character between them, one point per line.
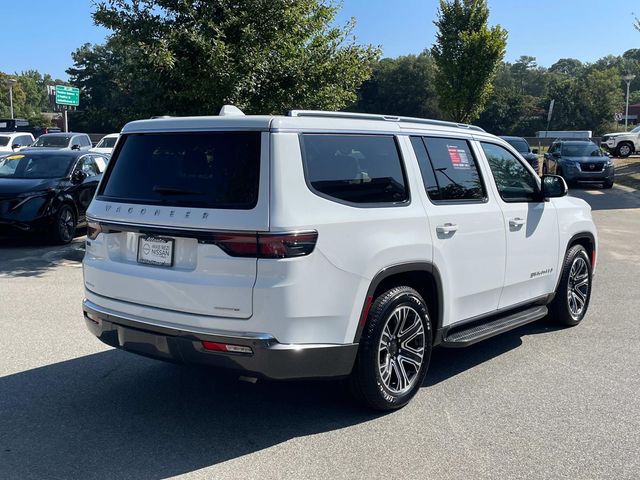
67	95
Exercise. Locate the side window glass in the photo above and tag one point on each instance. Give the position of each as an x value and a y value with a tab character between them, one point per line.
361	169
455	169
88	166
86	142
426	170
515	183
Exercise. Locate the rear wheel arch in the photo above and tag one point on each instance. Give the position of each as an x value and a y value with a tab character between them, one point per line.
424	277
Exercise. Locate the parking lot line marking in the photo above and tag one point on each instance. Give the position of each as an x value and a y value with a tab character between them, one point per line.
625	188
595	192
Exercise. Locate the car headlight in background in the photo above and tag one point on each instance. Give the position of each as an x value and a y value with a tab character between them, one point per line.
25	197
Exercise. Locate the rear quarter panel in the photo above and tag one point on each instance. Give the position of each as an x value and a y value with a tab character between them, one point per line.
320	297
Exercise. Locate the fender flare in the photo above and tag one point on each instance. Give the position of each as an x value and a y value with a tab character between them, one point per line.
391	270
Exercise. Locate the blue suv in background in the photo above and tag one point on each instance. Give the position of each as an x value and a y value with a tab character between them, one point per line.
579	161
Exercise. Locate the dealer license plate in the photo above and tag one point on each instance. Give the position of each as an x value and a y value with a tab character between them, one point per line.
155	250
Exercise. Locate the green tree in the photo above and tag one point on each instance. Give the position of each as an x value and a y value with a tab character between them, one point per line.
193	56
401	86
467	53
568	66
30	98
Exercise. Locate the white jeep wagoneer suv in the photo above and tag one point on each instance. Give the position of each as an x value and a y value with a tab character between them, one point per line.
327	244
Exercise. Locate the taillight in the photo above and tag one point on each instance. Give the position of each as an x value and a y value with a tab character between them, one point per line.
93	230
237	244
267	245
286	245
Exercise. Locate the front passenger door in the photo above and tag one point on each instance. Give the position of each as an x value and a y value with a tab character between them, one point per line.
531	225
85	188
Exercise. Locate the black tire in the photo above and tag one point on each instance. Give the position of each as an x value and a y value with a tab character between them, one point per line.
608	184
575	270
383	350
560	173
64	225
624	150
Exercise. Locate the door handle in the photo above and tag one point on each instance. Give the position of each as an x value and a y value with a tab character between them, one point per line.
516	222
447	228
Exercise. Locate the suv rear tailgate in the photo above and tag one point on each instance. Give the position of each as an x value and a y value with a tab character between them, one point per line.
175	190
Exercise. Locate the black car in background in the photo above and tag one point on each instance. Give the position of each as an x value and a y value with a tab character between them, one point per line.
47	192
523	148
579	161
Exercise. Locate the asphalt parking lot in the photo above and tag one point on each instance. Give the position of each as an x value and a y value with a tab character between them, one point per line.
537	402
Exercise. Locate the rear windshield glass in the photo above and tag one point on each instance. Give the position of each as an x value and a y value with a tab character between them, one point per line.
520	145
56	141
208	170
107	142
581	150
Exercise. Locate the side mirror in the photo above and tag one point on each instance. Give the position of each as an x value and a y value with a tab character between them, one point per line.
534	150
553	186
78	177
75	147
16	145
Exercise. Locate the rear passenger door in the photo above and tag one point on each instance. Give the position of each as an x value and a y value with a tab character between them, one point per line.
468	228
531	225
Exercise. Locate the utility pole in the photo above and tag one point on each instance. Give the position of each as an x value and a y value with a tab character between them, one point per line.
628	79
10	82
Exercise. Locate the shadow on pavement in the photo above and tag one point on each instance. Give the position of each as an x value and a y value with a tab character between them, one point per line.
28	257
449	362
116	415
606	199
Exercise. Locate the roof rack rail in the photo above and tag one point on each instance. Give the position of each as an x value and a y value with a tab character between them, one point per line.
386	118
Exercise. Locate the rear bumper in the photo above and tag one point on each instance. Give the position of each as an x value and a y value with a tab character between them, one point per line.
270	359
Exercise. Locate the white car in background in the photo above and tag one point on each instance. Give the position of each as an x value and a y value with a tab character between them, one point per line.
106	144
14	141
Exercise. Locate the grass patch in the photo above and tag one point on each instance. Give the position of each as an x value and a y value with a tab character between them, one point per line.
628	171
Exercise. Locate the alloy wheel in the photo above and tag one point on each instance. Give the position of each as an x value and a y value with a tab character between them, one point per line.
578	286
401	349
625	150
66	225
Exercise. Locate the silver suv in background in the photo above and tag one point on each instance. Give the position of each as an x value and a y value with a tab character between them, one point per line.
66	141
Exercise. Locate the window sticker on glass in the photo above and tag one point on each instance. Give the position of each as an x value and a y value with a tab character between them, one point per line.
458	156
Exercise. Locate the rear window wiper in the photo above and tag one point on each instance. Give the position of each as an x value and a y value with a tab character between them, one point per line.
164	190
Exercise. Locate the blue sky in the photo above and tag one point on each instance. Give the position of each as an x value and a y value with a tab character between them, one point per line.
545	29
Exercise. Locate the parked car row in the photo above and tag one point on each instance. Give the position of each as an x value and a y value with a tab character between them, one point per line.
47	192
46	185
